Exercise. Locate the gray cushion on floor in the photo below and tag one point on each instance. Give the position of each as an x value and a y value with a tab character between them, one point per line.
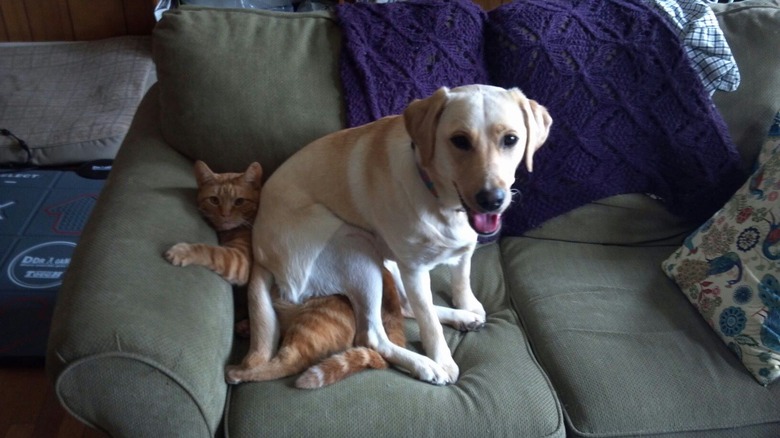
625	350
71	102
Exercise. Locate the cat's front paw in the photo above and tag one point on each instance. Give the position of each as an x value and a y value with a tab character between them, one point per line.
179	254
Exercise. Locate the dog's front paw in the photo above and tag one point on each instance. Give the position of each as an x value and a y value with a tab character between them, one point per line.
471	322
461	320
443	373
434	374
179	254
451	368
470	303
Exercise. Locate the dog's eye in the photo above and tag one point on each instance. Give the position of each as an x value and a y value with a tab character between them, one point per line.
461	142
510	140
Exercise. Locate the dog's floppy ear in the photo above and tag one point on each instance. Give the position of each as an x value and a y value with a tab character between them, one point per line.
421	118
537	123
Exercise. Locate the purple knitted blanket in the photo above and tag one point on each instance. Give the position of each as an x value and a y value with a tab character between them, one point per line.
395	53
630	114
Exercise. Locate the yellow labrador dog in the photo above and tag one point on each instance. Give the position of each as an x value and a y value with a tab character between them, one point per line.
413	191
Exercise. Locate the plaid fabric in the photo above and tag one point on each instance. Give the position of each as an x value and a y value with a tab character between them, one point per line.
704	42
71	102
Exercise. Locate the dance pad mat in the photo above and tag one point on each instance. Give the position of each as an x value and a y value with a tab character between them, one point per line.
42	213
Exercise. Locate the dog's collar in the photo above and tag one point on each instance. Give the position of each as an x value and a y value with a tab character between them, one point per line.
426	179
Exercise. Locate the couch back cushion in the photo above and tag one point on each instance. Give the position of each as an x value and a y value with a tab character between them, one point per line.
751	29
238	86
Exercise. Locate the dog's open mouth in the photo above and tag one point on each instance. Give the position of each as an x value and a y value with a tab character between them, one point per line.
485	224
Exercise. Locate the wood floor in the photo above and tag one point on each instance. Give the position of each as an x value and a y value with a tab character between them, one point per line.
29	408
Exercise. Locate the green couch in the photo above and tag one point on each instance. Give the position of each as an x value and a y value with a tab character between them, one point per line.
585	335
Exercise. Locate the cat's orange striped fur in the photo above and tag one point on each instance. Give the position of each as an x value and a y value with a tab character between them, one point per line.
317	336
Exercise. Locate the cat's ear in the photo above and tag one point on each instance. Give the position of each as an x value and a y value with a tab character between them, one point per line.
202	173
254	174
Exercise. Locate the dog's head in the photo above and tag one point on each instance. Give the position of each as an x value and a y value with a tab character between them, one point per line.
470	141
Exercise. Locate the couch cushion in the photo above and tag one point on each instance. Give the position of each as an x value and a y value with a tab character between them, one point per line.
631	219
42	83
501	390
729	268
261	84
751	29
626	352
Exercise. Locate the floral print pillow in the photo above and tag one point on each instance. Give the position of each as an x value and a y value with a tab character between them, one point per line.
730	267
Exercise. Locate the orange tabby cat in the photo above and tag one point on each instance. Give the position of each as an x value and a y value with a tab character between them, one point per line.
310	332
229	203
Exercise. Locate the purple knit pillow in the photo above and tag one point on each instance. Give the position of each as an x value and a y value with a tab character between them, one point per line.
629	112
395	53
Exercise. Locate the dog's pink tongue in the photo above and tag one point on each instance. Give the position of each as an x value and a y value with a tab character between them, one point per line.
486	223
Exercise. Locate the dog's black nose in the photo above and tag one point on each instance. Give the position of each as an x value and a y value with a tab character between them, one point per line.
490	199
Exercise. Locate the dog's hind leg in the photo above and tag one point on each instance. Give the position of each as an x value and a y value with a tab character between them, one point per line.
352	264
462	318
264	327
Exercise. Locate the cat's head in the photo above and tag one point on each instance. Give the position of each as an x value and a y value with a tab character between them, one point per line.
228	200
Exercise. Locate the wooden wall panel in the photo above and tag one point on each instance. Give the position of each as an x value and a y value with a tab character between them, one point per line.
15	20
49	20
3	30
55	20
139	16
97	19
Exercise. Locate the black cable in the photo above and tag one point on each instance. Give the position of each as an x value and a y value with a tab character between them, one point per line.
22	144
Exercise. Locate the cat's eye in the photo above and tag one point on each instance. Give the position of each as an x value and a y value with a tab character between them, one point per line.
509	140
213	200
461	142
239	202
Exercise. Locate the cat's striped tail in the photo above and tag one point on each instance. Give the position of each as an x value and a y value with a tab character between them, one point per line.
340	366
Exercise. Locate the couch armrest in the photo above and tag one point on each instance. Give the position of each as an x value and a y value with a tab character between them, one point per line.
138	346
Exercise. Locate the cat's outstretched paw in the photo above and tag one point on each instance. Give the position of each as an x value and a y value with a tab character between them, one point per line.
179	254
